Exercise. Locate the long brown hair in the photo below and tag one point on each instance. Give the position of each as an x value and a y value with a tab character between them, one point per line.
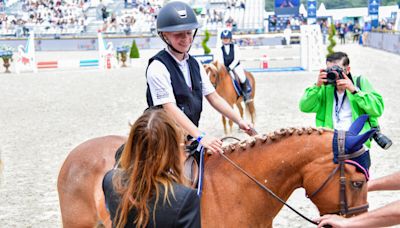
152	157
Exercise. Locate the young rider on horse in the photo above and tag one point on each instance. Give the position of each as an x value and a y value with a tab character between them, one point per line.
177	82
230	56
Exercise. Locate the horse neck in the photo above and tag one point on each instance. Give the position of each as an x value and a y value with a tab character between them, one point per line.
224	81
278	164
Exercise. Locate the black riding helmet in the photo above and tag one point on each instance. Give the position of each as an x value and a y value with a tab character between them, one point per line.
176	17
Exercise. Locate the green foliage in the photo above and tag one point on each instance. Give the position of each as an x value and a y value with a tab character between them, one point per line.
134	51
336	4
331	38
204	42
6	52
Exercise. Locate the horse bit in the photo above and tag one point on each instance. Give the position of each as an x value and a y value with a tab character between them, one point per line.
344	209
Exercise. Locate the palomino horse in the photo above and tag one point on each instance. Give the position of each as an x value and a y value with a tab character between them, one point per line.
222	82
282	161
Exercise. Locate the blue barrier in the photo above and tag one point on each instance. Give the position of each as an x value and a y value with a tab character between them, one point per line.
204	59
88	62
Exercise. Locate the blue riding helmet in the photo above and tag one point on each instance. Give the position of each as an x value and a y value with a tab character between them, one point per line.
226	34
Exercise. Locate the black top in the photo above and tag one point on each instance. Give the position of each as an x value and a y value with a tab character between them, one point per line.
183	210
228	58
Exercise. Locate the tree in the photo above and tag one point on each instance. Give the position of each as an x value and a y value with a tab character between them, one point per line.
331	38
204	42
134	51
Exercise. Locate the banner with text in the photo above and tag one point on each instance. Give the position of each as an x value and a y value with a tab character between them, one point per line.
287	7
373	12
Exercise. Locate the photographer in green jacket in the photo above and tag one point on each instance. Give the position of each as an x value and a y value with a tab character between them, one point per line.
338	98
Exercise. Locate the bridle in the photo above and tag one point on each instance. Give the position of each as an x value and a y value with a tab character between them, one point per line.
342	157
344	209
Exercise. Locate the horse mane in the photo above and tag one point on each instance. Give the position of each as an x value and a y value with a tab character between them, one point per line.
272	137
218	65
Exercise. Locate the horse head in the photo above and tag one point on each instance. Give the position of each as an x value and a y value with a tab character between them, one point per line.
283	161
212	72
350	184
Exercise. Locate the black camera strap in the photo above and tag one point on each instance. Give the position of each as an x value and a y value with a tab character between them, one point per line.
337	107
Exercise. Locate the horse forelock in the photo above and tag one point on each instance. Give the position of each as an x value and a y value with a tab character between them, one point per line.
213	68
272	137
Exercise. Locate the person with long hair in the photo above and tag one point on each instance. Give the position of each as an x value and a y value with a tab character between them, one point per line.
147	188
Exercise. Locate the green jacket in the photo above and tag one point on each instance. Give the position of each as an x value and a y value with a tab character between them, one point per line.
320	100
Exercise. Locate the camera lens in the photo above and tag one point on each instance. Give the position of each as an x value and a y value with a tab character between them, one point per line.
383	141
331	75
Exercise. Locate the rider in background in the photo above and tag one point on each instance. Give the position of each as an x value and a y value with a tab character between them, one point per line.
388	215
177	82
229	54
147	189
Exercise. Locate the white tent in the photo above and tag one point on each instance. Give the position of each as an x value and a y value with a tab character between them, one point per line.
302	10
321	12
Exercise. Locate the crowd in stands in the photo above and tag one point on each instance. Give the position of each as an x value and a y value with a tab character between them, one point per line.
47	17
71	17
141	18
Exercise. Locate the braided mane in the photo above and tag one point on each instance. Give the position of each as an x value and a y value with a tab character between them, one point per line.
272	137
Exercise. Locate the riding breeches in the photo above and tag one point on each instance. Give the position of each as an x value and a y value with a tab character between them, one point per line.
240	72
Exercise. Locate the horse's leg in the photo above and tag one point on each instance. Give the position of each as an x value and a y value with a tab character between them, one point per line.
79	182
224	123
250	108
240	107
230	126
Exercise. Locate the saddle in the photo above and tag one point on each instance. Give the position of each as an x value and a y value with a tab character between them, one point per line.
236	84
191	165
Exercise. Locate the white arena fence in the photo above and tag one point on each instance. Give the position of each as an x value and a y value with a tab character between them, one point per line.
307	55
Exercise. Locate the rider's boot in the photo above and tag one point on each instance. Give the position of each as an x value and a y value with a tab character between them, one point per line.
246	95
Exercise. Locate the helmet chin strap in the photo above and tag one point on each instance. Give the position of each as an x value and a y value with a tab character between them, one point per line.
174	49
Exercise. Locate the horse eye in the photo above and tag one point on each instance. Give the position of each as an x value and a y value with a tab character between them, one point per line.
357	184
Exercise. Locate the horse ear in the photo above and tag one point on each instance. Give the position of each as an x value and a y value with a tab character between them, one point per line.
354	143
358	124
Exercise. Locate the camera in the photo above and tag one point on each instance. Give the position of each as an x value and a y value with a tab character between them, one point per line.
383	141
333	73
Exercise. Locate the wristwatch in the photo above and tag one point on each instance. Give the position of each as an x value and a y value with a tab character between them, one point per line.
356	90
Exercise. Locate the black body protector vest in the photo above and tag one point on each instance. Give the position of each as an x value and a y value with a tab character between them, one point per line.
228	59
190	101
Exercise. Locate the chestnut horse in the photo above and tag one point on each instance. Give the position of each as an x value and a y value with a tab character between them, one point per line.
223	84
282	161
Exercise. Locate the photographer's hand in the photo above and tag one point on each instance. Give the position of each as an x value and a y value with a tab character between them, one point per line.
321	78
345	83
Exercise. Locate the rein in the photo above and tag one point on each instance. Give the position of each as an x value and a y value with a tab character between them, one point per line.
265	188
344	209
342	157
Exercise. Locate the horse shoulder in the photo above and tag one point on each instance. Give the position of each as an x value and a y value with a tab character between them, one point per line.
80	178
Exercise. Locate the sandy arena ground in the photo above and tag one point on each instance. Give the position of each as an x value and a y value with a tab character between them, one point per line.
44	116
